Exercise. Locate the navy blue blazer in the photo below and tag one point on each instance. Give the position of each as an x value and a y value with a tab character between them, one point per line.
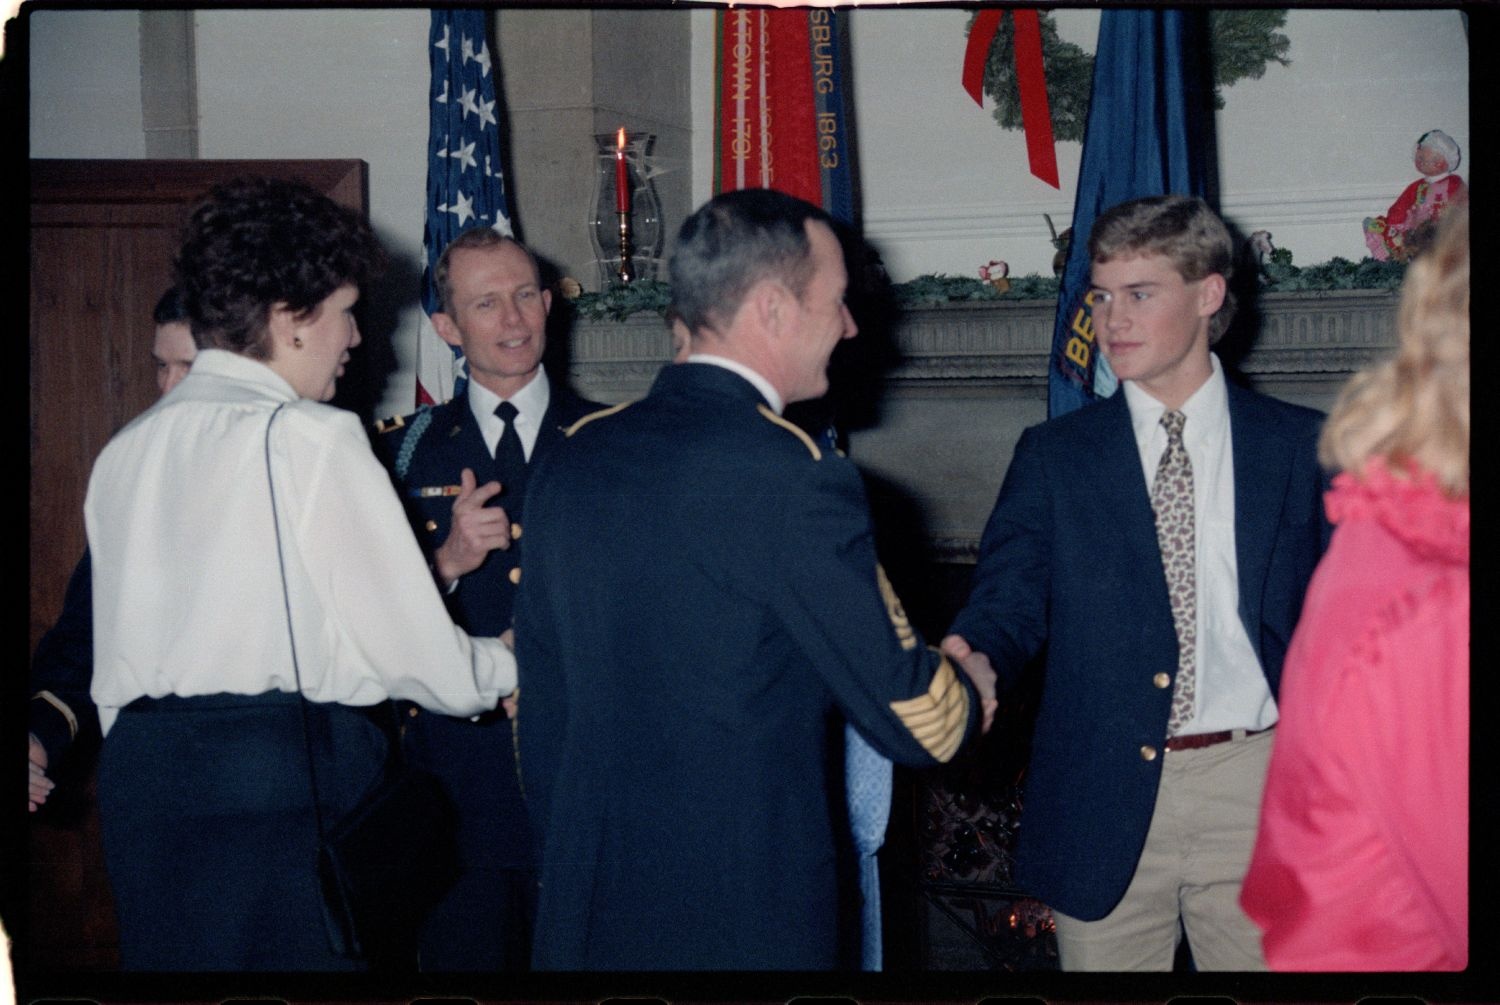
476	761
1069	567
701	611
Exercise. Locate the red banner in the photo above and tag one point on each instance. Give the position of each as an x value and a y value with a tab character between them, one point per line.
767	132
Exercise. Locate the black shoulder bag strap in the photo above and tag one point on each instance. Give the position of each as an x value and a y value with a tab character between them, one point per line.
384	864
286	600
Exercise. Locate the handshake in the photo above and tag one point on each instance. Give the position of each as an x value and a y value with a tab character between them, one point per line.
977	666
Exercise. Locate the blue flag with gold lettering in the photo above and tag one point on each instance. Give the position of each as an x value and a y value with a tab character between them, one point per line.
828	33
1149	132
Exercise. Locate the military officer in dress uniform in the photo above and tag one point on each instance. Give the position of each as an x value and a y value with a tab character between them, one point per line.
703	609
461	468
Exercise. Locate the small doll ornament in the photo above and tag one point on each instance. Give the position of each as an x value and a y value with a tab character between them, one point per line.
995	273
1402	231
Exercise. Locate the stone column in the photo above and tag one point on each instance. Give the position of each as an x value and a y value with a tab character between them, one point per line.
169	88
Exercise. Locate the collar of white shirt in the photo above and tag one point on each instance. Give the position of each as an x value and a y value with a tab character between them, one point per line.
531	404
761	383
1206	410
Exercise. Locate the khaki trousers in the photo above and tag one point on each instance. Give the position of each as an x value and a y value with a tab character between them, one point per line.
1196	854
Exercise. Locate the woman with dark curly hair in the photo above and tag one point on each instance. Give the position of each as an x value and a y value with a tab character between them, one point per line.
204	792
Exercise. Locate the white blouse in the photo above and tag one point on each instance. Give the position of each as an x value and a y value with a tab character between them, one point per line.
187	587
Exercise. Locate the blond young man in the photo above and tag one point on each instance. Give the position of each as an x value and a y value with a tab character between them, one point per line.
1161	571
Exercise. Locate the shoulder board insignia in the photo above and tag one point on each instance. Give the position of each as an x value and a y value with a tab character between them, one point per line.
389	425
792	427
575	427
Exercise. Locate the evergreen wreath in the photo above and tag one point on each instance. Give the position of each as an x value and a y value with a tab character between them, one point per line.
1243	42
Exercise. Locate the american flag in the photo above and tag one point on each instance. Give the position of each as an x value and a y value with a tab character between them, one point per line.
465	186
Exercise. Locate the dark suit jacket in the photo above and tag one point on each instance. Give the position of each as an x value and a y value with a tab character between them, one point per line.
701	609
63	666
1069	565
476	761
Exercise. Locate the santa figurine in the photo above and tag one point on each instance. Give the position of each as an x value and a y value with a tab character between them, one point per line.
1403	230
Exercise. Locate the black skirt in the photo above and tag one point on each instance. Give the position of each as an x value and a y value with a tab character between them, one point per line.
209	834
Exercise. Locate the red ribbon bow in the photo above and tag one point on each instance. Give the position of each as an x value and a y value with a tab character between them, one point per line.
1036	114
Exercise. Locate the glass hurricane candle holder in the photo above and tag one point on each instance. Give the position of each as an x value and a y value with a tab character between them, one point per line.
625	229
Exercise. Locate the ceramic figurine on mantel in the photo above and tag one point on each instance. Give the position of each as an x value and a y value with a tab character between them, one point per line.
996	273
625	229
1403	231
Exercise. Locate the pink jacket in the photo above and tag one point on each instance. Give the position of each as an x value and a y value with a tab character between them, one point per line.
1361	862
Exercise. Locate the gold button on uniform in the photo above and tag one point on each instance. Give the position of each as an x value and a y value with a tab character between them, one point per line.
1162	680
414	712
1148	753
431	526
515	531
515	574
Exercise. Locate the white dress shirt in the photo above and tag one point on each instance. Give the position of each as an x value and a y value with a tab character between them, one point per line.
1232	692
531	404
187	587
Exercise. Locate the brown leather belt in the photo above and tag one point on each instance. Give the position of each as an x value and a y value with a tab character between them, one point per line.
1195	740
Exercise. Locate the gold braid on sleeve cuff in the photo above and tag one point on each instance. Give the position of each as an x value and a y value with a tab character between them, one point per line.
937	718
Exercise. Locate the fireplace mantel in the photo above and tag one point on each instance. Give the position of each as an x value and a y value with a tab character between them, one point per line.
963	380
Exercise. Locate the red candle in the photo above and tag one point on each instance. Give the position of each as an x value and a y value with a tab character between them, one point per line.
622	186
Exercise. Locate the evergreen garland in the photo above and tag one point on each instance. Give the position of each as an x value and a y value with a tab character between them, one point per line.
619	302
1278	275
1243	42
1335	274
939	288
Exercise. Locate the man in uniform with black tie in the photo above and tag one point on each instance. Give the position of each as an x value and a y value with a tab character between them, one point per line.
461	469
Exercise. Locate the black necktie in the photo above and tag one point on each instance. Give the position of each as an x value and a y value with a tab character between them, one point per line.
510	458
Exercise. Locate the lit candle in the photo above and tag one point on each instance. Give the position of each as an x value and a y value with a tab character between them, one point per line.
622	187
